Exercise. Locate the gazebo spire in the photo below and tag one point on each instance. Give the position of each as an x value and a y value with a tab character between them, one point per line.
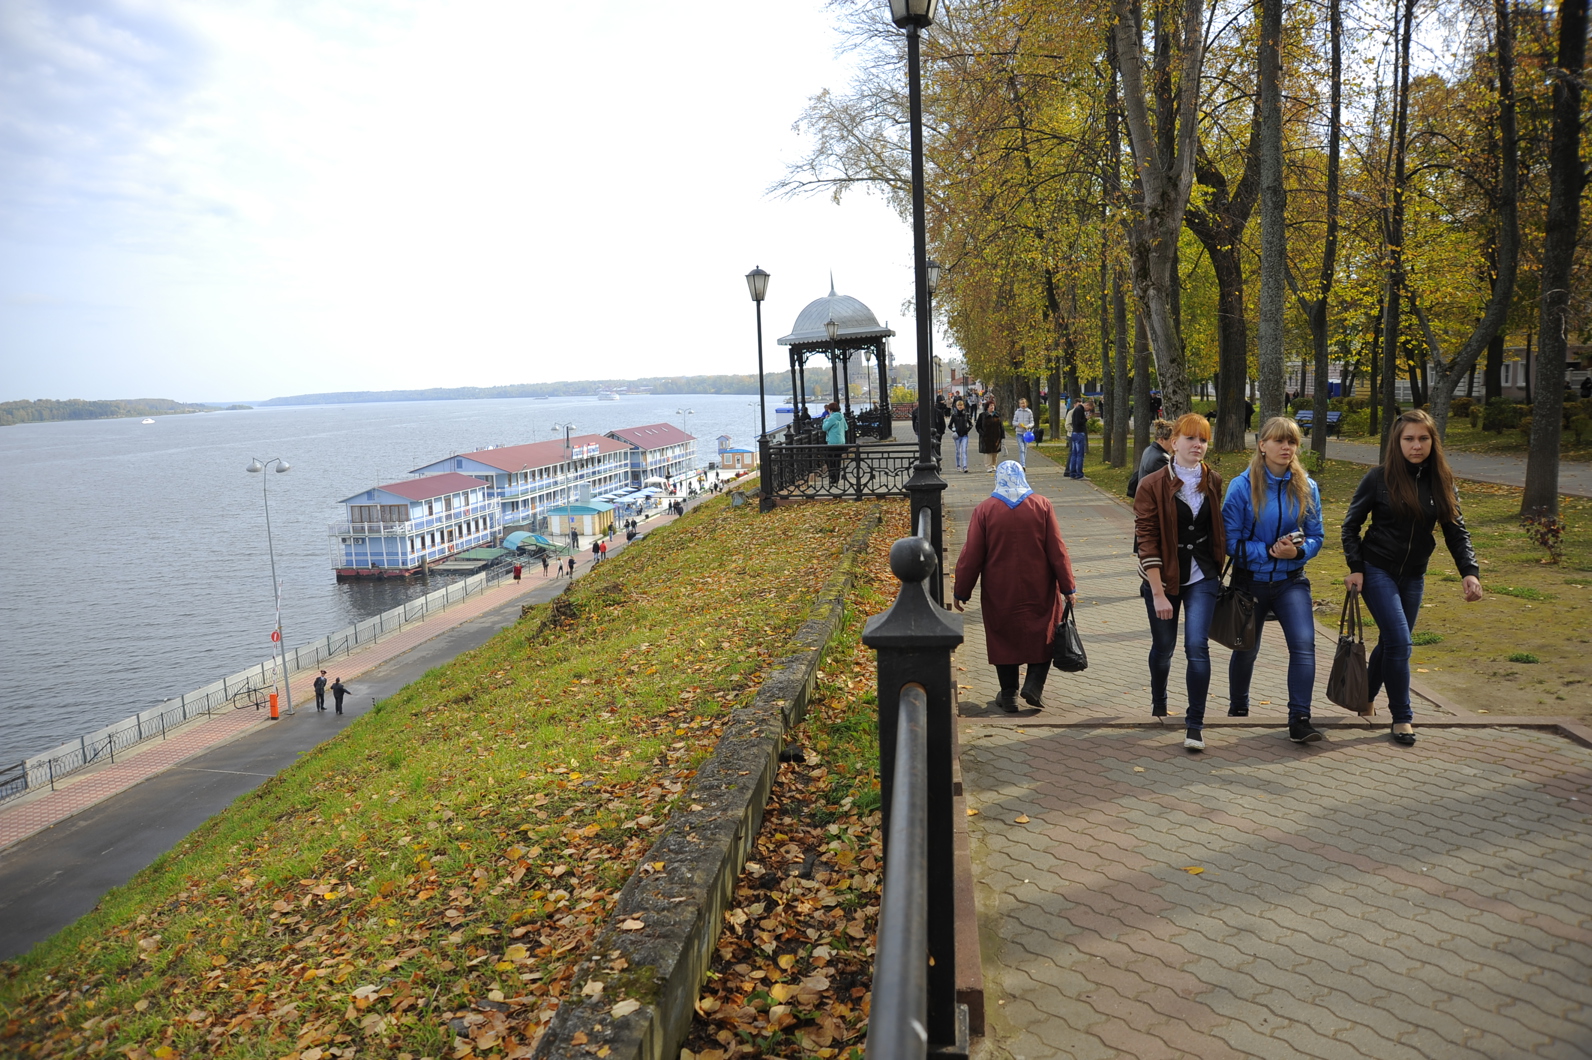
831	283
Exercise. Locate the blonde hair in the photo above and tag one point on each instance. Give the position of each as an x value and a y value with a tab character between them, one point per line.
1162	429
1279	427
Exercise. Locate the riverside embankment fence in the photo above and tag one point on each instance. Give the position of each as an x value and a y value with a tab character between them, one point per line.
246	689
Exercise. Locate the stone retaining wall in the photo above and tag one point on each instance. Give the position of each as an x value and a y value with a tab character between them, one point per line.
654	952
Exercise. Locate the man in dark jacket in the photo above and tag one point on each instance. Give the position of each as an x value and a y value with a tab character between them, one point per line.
320	691
1156	455
339	690
1078	420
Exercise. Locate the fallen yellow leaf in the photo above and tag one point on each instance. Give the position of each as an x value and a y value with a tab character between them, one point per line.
1022	818
1138	769
782	992
1193	870
972	812
1420	669
632	925
787	961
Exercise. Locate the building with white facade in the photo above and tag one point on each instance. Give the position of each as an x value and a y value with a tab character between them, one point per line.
658	450
529	480
398	529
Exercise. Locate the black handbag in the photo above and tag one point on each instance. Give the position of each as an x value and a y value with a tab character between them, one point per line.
1349	684
1233	625
1066	647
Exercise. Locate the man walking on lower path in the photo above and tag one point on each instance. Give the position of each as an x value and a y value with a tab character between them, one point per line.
1079	440
545	564
339	690
320	691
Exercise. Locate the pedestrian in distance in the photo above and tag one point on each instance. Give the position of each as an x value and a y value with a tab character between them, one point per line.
516	572
339	690
835	436
1273	524
1078	440
1156	455
1022	423
545	565
1014	547
320	691
572	566
1180	540
961	427
604	553
1586	387
991	436
596	553
1406	498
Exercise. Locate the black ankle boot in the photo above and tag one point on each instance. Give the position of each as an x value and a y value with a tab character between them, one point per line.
1032	693
1008	701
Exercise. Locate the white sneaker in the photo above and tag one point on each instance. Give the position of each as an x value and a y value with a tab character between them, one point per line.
1193	741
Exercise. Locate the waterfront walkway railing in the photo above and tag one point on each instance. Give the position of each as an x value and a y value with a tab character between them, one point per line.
242	690
914	1010
797	464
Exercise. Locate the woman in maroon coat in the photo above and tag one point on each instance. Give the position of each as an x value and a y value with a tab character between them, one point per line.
1013	543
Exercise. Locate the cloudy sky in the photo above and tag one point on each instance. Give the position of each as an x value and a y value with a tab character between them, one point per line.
238	199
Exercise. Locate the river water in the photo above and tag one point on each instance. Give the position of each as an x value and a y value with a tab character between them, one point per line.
134	555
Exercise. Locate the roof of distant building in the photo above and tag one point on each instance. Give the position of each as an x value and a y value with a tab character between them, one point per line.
652	436
421	489
533	454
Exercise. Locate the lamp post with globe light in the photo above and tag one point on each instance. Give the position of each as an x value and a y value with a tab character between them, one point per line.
256	467
934	285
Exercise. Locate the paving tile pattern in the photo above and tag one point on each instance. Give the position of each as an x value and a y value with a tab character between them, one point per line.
1355	900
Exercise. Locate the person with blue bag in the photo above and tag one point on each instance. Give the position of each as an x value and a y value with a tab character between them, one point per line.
1272	516
1023	427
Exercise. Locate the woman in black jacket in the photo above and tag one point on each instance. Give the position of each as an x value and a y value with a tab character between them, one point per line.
1410	494
991	433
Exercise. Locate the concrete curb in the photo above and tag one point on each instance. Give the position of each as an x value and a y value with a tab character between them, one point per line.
645	1009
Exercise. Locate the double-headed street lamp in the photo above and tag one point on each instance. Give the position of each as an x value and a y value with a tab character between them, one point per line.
256	466
934	285
757	284
683	413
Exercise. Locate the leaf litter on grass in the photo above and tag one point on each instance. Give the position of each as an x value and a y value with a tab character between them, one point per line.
793	970
435	902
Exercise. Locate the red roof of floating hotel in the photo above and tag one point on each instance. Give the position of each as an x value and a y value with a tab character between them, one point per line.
537	454
424	489
653	435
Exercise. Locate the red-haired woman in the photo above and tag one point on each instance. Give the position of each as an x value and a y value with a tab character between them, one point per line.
1410	494
1181	543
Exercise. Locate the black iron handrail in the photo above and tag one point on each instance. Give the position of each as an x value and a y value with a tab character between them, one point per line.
897	1021
914	1006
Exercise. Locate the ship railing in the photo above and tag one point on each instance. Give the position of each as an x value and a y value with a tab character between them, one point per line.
248	688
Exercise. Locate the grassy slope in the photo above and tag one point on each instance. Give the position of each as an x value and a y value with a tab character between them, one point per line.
1531	607
456	848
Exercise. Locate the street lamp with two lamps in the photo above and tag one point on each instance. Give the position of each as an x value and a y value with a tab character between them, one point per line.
256	466
757	284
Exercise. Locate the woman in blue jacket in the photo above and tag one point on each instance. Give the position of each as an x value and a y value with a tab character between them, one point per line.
1273	519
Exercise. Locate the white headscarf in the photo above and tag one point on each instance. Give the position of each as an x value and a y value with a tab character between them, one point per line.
1011	485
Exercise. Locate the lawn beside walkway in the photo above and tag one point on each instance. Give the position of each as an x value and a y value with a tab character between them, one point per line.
437	871
1526	649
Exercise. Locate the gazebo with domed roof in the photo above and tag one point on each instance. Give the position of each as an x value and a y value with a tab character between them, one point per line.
858	331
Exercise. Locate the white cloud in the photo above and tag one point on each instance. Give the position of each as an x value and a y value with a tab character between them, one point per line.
266	198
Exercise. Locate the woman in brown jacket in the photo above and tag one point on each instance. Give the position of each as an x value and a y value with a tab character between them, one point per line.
1181	543
1015	546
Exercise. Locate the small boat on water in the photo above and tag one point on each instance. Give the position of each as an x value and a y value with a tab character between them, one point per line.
607	395
147	421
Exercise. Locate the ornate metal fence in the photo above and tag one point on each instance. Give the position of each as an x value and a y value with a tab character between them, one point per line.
796	466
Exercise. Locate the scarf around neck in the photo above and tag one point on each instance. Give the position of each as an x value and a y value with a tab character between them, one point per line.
1011	485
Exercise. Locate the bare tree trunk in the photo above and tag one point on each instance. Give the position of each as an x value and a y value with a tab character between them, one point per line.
1565	181
1505	241
1108	383
1119	313
1055	399
1273	244
1395	228
1143	413
1164	161
1329	254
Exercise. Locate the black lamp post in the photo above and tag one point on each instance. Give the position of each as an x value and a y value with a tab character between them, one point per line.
757	284
833	330
925	487
934	285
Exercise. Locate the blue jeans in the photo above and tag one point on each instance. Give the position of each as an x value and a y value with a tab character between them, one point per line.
1198	604
1288	603
1022	450
961	450
1075	453
1395	603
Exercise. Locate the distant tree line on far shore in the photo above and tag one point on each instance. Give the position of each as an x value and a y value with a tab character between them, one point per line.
667	384
48	409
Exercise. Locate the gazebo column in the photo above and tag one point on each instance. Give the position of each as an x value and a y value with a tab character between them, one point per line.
845	379
887	420
794	392
801	367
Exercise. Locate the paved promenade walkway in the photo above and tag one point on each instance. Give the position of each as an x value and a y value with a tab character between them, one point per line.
1349	898
34	813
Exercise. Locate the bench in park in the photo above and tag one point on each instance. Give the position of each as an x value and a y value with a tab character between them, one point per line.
1305	417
